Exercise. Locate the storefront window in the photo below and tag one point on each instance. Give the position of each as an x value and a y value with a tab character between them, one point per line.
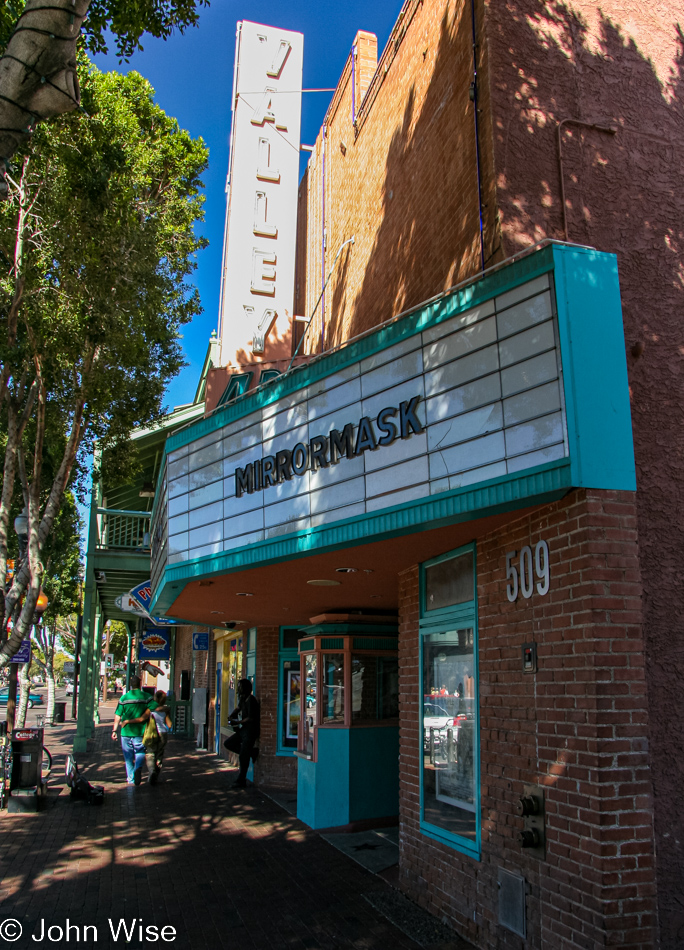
332	696
449	582
450	720
375	688
290	688
292	703
448	717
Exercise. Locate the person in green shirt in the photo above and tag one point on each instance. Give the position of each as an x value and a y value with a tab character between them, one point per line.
132	705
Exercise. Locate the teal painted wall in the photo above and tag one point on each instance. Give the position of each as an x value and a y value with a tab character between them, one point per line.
373	773
323	786
355	778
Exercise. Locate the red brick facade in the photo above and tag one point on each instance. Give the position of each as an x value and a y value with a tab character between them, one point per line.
270	770
578	727
402	181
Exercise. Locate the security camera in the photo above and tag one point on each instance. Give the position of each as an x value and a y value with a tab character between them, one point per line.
230	624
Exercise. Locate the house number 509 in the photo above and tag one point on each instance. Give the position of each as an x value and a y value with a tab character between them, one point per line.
523	570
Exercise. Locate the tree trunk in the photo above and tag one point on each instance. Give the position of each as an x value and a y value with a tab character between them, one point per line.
38	71
25	689
50	711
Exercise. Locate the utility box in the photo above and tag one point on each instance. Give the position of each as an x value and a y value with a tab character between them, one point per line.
60	712
199	705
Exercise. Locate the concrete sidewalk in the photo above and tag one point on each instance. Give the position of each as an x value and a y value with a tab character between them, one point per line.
224	867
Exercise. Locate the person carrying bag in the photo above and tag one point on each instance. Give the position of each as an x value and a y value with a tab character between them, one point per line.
247	729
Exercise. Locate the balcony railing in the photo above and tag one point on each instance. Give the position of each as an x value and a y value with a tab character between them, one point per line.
125	530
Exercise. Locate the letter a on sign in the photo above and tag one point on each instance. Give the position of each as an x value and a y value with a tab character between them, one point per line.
264	112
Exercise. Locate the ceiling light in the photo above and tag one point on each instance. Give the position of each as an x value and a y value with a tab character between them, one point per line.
243	593
147	491
367	570
218	611
324	583
346	570
375	596
205	583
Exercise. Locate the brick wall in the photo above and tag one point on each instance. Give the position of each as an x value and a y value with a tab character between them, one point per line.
402	181
616	64
578	727
270	769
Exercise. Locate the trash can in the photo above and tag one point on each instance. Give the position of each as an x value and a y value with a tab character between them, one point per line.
60	712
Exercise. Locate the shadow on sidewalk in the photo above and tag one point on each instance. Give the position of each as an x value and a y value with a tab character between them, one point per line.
222	866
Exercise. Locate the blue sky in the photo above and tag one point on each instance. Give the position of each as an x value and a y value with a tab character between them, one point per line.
193	75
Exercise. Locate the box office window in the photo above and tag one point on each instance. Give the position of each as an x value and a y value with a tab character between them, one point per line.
375	687
332	689
307	731
450	715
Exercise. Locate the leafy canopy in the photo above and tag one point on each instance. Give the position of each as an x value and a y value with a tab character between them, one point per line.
126	21
112	243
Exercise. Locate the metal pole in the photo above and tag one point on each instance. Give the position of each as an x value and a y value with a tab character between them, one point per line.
129	657
77	654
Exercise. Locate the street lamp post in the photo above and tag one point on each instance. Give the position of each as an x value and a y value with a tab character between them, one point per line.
21	528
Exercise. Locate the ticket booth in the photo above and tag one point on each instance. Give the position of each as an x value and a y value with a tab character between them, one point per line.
348	745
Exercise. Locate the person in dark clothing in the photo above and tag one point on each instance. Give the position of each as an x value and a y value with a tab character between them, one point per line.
247	729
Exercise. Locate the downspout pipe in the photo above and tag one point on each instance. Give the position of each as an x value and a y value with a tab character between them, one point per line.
323	241
473	96
353	89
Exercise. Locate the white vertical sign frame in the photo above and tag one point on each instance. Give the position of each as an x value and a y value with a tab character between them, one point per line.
257	290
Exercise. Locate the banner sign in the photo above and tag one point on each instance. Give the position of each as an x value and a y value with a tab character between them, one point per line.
23	654
155	644
130	605
137	601
142	594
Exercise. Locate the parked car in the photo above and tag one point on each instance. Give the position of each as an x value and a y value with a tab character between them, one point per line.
69	688
438	719
35	699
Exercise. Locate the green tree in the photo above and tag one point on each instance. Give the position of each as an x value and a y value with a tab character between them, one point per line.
62	561
38	72
99	232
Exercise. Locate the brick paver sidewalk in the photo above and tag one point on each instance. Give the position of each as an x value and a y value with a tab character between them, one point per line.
225	867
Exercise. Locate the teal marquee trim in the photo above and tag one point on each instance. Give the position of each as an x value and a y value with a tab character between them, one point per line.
536	486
